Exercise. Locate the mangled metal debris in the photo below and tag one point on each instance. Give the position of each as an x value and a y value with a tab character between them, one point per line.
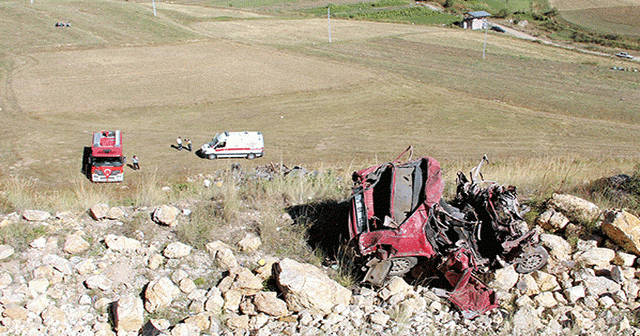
400	224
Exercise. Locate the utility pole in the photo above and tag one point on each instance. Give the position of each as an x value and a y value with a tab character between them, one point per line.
484	48
154	7
329	21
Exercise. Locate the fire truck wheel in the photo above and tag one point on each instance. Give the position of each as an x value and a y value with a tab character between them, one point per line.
212	156
402	265
532	260
251	156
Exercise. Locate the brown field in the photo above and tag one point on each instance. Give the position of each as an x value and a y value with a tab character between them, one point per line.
363	98
619	17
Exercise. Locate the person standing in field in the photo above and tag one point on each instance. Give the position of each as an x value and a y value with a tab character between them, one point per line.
135	163
189	144
179	142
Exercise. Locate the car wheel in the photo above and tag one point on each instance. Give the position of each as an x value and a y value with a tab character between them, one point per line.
251	156
402	265
532	260
212	156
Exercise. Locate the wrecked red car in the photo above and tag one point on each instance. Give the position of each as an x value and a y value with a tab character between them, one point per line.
399	223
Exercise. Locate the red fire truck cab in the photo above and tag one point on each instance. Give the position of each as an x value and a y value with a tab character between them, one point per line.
105	162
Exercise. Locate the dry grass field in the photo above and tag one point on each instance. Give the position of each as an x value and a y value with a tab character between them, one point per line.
619	17
193	71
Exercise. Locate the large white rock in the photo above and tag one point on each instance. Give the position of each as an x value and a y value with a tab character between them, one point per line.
623	228
121	243
129	314
575	208
166	215
35	215
250	243
6	251
552	220
557	246
504	279
268	303
598	256
307	287
99	211
75	244
177	250
160	294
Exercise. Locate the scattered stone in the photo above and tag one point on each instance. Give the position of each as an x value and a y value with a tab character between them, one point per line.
177	250
307	287
160	294
75	244
128	314
166	215
6	251
623	228
99	281
598	256
122	243
99	211
268	303
504	278
35	215
250	243
552	220
575	208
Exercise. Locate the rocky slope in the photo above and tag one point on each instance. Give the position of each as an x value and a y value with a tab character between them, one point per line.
89	276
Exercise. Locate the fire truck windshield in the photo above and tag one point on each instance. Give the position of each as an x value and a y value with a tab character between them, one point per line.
107	162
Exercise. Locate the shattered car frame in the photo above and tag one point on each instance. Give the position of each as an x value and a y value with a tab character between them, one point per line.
400	222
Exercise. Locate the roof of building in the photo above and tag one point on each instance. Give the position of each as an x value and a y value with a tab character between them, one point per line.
478	14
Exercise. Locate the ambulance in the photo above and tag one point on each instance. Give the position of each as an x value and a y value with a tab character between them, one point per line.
248	145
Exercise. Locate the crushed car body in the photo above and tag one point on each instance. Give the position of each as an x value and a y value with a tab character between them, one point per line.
399	223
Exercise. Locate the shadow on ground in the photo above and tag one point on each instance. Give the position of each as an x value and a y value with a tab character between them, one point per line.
326	223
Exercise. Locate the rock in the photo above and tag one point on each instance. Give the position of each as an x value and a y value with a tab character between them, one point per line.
214	302
38	304
184	329
504	278
545	299
528	285
177	250
266	267
156	260
379	317
552	220
128	314
35	215
394	286
115	213
238	322
160	294
268	303
5	280
598	285
545	281
38	285
166	215
85	267
75	244
624	259
6	251
623	228
99	211
99	281
121	243
187	285
52	315
250	243
222	255
575	208
307	287
525	322
557	246
15	312
39	243
573	294
245	282
598	256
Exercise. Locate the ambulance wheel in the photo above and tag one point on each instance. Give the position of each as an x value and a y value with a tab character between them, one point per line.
532	260
402	265
212	156
251	156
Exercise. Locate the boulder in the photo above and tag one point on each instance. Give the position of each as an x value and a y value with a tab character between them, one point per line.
35	215
128	314
115	213
6	251
268	303
552	220
623	228
250	243
99	211
557	246
98	281
246	282
166	215
598	256
504	279
75	244
575	208
52	315
160	294
306	287
177	250
121	243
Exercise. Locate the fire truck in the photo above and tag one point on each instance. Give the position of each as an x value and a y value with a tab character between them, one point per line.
105	162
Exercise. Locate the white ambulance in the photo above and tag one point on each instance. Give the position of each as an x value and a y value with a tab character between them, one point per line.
248	145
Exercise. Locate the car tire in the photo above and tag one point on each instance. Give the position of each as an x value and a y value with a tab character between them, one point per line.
212	156
251	156
402	265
